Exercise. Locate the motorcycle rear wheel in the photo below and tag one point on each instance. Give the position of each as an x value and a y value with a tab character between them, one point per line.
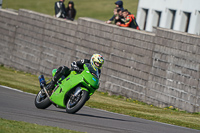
42	101
74	104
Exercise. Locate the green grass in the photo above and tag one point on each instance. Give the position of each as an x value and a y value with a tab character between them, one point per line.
19	80
8	126
98	9
118	104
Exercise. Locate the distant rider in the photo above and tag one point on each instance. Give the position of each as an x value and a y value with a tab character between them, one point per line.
96	60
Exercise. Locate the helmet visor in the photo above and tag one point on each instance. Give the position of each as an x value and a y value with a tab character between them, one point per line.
98	65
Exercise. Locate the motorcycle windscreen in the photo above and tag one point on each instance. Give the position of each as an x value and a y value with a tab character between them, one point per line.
93	70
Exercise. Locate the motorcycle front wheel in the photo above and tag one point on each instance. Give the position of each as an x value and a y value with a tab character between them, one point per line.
75	103
42	101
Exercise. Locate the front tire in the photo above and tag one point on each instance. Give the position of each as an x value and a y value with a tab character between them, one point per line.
74	104
42	101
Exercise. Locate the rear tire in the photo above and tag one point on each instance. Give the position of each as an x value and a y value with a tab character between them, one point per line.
75	104
42	101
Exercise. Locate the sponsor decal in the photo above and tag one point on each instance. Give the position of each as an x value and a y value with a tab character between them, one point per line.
94	79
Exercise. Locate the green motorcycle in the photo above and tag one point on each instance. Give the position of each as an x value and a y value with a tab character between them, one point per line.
70	92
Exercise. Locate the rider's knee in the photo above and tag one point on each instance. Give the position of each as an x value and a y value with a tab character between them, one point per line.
65	71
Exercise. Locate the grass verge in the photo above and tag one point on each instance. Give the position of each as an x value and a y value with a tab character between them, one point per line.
118	104
8	126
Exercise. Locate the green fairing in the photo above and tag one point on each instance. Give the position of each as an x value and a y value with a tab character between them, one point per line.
85	80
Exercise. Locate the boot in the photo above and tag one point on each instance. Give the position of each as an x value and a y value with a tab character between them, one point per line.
42	81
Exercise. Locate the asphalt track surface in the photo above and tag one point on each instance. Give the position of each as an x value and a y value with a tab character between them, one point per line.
17	105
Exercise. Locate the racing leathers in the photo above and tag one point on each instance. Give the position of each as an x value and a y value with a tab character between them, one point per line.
78	65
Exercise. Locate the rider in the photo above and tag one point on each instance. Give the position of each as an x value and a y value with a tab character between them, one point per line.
96	60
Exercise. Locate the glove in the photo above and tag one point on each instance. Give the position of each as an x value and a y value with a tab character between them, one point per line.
75	68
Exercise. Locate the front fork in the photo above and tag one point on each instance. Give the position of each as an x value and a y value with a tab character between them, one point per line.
78	90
